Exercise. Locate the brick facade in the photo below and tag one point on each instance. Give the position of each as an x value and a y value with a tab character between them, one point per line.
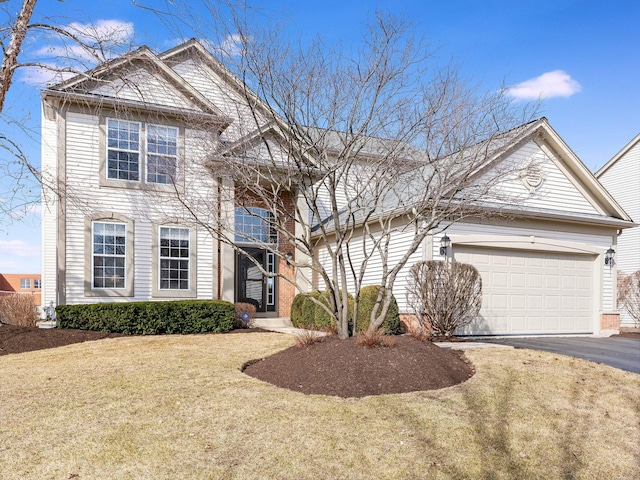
11	283
609	321
285	289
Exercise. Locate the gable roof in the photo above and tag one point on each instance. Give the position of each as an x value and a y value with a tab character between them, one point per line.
618	155
581	176
502	145
80	85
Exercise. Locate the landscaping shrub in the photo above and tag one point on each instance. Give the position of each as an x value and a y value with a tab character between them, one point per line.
444	296
296	308
368	296
149	318
307	338
250	311
629	294
377	338
18	309
307	314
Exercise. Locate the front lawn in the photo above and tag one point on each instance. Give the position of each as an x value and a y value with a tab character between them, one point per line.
172	407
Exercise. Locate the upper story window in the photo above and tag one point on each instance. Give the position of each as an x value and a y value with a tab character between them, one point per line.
254	225
109	249
135	147
162	154
25	283
123	150
37	283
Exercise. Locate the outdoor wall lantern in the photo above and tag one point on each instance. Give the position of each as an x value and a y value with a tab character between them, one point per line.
288	257
608	257
445	243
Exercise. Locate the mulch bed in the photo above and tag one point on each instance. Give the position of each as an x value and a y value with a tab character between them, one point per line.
15	339
331	367
345	369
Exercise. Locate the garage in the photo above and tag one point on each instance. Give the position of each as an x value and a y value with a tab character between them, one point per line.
532	292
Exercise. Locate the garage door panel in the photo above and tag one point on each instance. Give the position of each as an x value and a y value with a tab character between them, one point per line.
532	291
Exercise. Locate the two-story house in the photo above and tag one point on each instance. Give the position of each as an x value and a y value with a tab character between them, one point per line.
130	147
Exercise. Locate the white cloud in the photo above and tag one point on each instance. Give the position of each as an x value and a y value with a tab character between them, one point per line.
232	45
110	31
40	76
557	83
18	248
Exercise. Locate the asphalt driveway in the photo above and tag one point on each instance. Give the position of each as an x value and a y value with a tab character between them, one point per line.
623	353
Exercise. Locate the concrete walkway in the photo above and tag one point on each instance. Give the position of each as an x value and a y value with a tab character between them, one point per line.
284	325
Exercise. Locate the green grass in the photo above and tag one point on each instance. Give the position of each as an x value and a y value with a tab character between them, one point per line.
178	407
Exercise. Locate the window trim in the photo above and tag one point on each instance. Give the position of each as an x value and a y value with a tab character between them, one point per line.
109	217
156	291
148	154
22	281
141	183
140	150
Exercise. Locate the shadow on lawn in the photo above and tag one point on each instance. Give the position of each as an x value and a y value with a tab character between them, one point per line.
491	444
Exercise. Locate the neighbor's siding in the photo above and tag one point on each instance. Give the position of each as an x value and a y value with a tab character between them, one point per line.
622	179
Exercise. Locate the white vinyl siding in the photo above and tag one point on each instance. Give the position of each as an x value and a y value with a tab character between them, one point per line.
144	207
557	191
622	179
141	86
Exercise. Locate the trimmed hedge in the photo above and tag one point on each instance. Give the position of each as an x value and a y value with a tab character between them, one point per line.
368	296
149	318
306	314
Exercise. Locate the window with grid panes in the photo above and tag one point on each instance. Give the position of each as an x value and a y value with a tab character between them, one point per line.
162	154
174	258
109	255
123	150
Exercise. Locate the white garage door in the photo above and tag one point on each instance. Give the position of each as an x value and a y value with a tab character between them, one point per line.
531	292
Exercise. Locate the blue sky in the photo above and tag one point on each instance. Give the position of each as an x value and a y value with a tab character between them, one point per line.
583	54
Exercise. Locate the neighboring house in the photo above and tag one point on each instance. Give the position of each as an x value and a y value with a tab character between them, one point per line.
125	150
621	176
28	283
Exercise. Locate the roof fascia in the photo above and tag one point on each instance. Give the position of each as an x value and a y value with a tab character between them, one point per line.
144	54
582	174
100	101
617	156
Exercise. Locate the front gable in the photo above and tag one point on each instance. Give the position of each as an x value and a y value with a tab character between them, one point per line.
546	176
140	79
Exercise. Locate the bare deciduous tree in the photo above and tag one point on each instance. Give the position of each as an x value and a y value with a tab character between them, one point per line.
67	48
347	152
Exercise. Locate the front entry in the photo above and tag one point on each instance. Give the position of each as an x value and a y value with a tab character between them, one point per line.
251	285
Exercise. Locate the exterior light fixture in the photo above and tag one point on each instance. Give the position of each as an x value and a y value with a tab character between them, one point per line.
445	243
608	257
288	257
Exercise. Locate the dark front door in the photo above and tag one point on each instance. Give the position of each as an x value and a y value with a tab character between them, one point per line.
252	286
